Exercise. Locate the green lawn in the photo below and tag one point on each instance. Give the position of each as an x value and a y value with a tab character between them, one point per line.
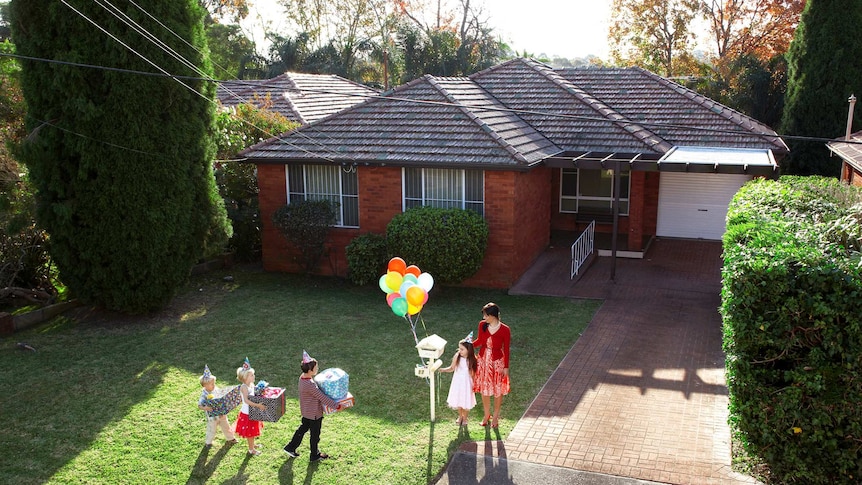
113	399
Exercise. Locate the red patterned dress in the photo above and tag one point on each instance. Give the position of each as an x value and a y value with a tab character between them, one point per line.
492	357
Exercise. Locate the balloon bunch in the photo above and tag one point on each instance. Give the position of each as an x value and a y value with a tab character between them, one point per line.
406	289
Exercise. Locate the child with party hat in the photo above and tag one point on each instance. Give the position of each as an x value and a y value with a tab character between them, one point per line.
208	381
246	427
311	402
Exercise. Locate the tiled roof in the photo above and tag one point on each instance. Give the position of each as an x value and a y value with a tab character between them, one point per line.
516	114
299	97
429	121
849	152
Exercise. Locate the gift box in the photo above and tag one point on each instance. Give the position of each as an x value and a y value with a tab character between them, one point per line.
343	404
223	400
333	382
273	399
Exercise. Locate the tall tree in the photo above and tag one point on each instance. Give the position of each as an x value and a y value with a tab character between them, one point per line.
823	71
759	28
655	34
122	163
228	48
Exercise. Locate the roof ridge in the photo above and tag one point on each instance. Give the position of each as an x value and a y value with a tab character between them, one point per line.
474	118
650	139
726	112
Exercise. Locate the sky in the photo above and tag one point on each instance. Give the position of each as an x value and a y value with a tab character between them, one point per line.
556	28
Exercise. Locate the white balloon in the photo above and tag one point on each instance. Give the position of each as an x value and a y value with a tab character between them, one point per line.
426	281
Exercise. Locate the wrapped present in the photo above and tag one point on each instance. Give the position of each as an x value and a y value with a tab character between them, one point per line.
273	399
333	382
223	400
343	404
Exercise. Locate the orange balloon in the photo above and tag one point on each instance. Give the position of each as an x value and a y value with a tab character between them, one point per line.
413	269
415	296
398	265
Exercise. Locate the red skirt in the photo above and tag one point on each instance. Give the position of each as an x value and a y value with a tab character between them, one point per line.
247	428
490	380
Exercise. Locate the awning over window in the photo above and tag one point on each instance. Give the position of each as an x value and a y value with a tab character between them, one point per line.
678	159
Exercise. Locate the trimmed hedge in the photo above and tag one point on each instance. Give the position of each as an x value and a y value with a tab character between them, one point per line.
792	316
447	243
366	258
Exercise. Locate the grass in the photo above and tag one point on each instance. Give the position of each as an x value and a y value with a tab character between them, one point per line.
113	399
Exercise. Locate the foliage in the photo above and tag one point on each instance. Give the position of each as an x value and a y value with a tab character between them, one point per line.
121	163
237	129
448	243
823	70
655	34
792	281
759	28
234	10
306	224
228	48
153	432
366	258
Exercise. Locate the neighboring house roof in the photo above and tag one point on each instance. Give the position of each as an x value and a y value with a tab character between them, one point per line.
517	114
304	98
849	152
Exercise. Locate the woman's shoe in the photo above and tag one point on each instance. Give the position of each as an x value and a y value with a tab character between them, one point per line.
495	423
485	421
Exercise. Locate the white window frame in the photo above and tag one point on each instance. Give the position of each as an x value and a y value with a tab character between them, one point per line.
327	182
624	201
436	180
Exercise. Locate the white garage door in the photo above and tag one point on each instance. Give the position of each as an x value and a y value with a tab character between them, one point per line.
694	205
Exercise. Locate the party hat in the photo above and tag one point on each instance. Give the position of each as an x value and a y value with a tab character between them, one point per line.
305	357
469	337
207	375
246	364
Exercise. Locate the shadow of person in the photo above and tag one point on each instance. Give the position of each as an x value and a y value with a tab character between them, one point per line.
203	469
241	476
285	473
309	472
496	467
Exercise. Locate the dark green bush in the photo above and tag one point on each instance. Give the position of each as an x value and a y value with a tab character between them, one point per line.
791	305
306	224
366	258
447	243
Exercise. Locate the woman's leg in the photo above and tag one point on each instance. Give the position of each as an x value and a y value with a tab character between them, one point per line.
486	406
498	401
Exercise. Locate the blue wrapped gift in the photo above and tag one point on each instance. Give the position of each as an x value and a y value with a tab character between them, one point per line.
333	382
223	401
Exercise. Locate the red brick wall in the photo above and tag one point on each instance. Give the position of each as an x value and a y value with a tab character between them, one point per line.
517	209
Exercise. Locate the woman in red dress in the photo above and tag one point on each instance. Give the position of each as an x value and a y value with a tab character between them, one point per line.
492	375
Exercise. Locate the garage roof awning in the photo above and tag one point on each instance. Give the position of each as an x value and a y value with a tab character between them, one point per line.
751	161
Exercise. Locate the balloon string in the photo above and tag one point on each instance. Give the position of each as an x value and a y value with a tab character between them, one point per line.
412	328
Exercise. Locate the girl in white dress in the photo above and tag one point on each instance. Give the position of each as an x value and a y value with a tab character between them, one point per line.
461	396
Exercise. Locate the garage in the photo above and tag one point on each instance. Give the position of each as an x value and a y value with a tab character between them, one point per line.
694	205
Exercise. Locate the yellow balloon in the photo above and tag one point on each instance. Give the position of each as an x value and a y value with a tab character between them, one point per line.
393	280
412	309
415	296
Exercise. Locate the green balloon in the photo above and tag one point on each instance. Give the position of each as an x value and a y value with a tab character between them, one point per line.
399	306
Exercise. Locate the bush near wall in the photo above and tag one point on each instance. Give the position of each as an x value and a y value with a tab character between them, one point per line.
447	243
792	316
366	258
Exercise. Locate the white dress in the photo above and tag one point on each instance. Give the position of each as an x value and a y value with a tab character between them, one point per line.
461	393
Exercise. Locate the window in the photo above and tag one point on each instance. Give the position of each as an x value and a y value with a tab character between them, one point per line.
445	188
591	191
330	182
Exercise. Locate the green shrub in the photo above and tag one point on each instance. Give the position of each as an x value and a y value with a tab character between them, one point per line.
366	258
447	243
791	300
306	224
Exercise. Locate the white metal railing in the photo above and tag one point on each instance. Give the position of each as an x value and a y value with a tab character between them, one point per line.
582	248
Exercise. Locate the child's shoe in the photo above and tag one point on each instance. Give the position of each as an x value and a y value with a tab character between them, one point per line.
254	452
319	457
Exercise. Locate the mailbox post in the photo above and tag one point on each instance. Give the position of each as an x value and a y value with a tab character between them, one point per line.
430	348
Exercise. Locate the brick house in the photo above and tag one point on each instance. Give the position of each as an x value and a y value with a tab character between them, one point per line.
851	157
531	148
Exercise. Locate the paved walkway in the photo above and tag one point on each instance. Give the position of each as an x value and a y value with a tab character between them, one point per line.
641	395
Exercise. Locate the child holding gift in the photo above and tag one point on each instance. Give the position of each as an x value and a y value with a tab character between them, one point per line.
208	383
246	427
311	402
461	396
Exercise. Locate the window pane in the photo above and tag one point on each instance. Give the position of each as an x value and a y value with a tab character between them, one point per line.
295	183
473	186
568	205
624	185
569	182
413	183
592	206
595	183
444	188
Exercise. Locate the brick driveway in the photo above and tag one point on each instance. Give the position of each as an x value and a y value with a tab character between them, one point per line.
642	392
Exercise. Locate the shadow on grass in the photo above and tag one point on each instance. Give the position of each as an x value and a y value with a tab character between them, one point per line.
203	469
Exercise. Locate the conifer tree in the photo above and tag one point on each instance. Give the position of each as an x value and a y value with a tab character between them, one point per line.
823	70
121	162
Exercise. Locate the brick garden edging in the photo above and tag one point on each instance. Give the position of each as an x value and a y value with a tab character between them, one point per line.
10	324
